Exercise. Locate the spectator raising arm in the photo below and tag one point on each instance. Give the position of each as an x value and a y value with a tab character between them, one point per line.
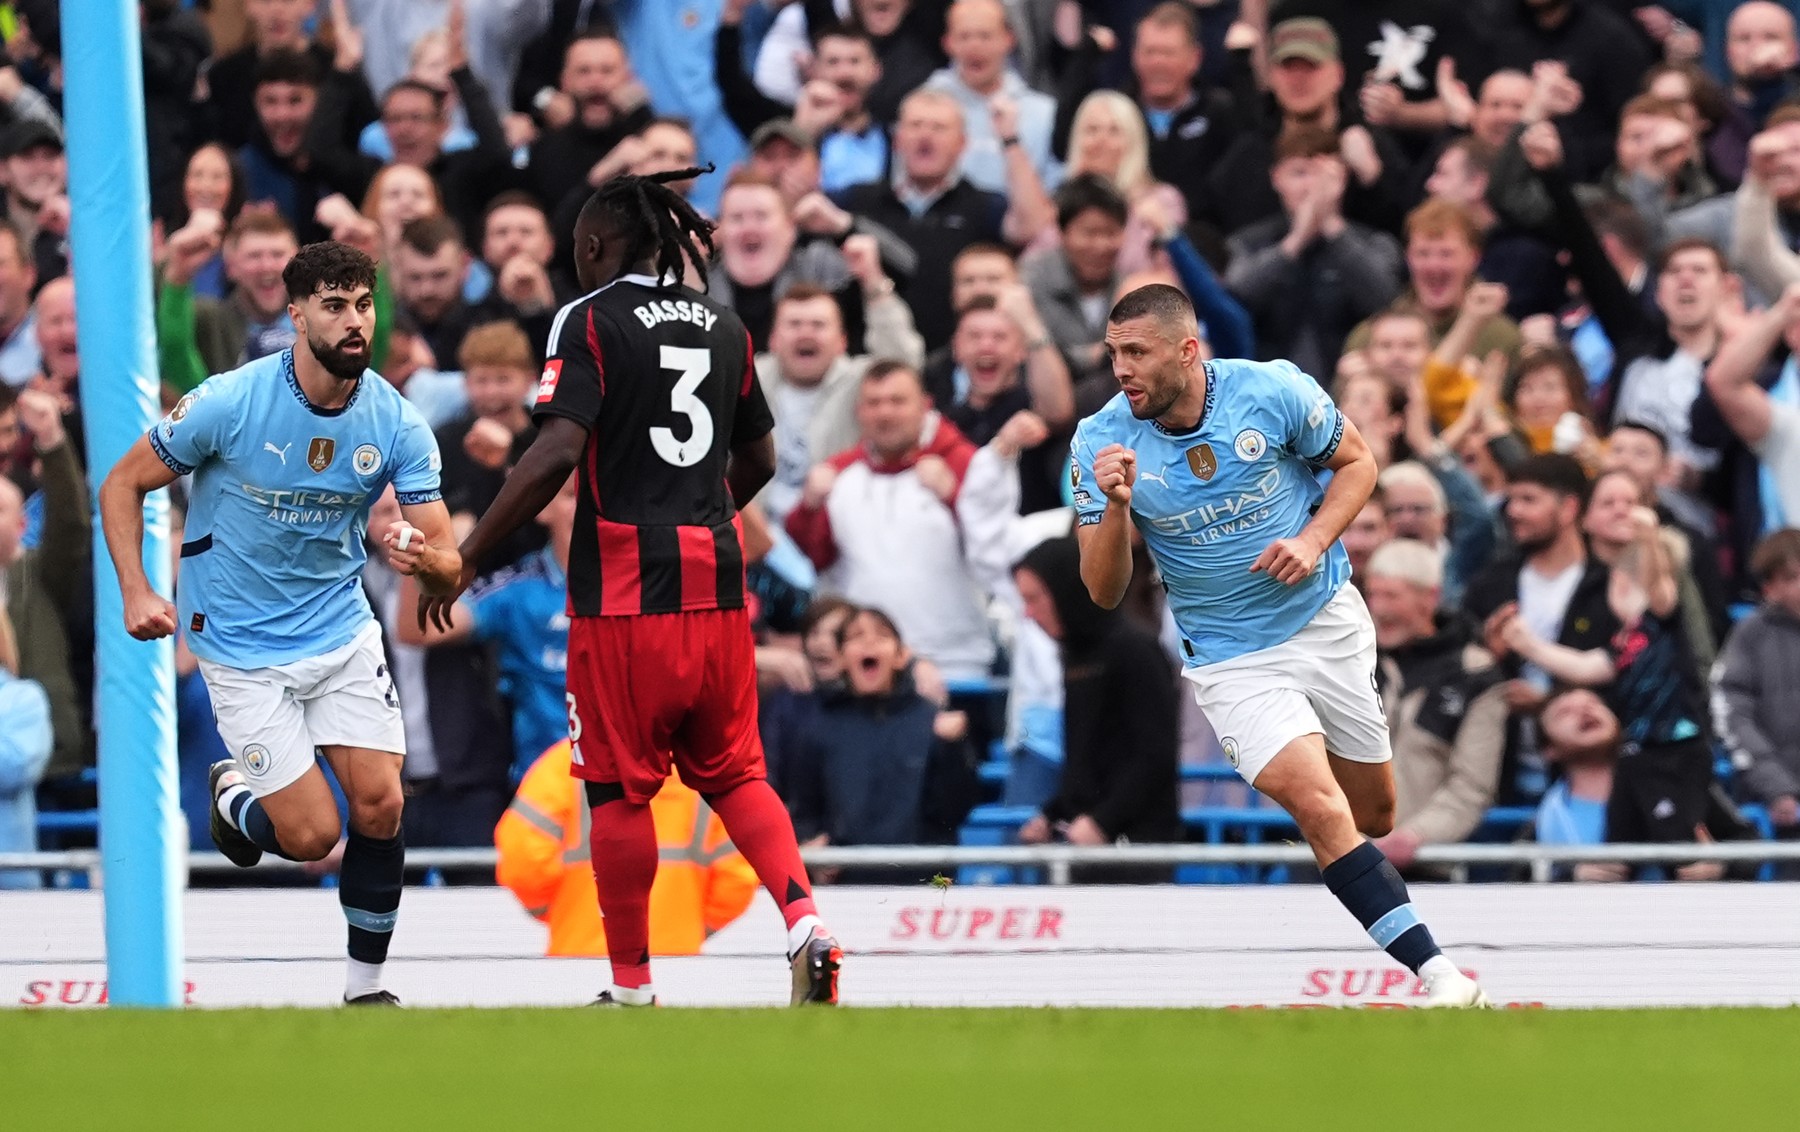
1731	378
1758	248
1227	323
746	105
1028	207
1046	373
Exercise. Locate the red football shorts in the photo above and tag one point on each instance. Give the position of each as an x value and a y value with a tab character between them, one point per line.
657	690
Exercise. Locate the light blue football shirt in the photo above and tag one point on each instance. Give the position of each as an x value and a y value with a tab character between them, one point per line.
1211	500
271	569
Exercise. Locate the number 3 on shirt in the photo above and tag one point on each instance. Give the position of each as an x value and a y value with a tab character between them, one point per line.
693	365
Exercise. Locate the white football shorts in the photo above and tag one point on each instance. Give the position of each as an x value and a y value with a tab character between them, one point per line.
1320	681
272	719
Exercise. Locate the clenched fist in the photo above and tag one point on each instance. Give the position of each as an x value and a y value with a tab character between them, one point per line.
1115	471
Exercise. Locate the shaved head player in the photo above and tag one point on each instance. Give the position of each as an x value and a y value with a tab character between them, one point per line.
1214	463
649	392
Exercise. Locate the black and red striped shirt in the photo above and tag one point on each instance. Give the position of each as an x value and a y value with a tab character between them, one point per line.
662	379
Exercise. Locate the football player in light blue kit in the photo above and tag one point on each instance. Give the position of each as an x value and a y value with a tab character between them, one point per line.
286	456
1214	462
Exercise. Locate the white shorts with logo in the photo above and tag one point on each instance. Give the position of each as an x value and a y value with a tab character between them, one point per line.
272	719
1320	681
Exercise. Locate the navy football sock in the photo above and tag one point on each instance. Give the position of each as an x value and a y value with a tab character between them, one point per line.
1367	884
253	822
369	889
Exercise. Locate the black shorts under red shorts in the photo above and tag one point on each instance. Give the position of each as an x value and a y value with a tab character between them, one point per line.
656	690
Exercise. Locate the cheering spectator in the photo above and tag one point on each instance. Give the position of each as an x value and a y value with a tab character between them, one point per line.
832	106
1586	61
876	517
1657	156
480	446
25	743
1000	113
1108	140
497	35
786	708
1308	276
1190	129
1073	284
931	207
605	105
274	25
36	176
278	167
214	183
1640	452
1306	80
1398	344
59	348
196	336
1419	508
1754	706
19	357
416	117
1761	51
1519	260
759	257
1581	740
812	382
1366	534
1445	708
47	585
1661	789
1610	524
1121	714
431	268
522	611
1443	249
1554	588
1547	398
1017	393
1769	426
880	764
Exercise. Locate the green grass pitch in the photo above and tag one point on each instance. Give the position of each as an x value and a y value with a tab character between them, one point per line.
258	1071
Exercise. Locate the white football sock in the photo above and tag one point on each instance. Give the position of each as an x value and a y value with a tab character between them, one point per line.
801	932
361	978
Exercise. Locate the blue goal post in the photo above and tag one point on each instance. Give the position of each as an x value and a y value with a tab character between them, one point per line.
142	845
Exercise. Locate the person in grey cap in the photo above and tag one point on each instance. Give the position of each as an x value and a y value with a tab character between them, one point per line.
1306	85
37	185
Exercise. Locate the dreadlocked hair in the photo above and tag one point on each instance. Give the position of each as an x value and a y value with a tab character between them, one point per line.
655	221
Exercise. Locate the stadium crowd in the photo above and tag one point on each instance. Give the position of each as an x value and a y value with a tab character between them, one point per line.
1542	252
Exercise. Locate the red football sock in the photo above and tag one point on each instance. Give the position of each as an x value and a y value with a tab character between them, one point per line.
760	828
623	845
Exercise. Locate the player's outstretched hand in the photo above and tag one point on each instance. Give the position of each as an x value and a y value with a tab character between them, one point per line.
1115	471
149	616
1287	560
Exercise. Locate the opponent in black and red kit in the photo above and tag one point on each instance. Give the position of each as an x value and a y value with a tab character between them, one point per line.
649	395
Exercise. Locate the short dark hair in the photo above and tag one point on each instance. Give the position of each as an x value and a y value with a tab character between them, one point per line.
846	30
592	35
805	293
417	87
288	66
1304	141
1775	555
327	266
427	235
819	609
1089	190
873	614
1173	13
1689	244
1611	214
1155	300
512	198
1650	430
886	368
1477	154
1554	472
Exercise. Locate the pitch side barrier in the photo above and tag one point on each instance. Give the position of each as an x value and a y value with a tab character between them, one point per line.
1058	861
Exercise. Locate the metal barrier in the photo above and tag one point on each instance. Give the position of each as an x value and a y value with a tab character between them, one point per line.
1058	860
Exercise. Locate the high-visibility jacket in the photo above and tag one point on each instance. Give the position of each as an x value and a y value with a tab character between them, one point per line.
702	882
